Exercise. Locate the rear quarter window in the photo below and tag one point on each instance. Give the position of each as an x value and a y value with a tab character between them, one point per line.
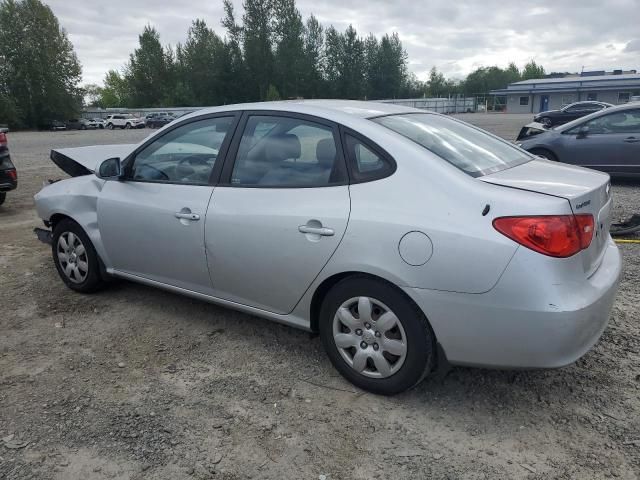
468	148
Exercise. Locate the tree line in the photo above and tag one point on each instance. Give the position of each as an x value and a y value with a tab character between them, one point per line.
271	53
267	52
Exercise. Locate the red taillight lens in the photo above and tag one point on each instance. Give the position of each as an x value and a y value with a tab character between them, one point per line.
585	226
13	175
553	235
3	139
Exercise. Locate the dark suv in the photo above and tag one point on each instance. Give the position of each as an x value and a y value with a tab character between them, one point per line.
8	174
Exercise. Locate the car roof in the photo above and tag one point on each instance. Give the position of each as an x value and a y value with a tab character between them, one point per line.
321	108
606	111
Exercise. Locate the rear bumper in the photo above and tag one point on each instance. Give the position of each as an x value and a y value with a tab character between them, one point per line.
517	324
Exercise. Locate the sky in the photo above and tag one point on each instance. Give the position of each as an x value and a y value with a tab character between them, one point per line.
454	36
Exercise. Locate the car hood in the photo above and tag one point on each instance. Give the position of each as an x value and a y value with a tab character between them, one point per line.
84	160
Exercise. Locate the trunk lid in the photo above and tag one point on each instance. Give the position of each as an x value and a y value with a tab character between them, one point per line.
587	191
84	160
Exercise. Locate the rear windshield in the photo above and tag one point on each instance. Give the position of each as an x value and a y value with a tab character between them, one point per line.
468	148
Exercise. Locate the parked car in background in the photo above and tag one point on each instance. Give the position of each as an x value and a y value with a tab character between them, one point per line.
569	112
608	140
55	125
160	121
96	123
124	120
404	237
8	173
79	124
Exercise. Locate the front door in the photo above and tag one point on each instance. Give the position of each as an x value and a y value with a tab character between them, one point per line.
275	224
544	103
152	223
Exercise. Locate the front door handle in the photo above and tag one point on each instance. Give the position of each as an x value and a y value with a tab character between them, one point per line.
322	231
632	140
187	216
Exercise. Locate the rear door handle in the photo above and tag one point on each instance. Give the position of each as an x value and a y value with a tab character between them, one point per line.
632	140
322	231
187	216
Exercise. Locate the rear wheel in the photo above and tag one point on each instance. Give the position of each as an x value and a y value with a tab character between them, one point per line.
543	153
75	258
375	336
110	126
3	197
127	126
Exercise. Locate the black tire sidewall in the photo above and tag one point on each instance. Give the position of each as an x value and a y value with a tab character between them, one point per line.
93	281
3	197
420	339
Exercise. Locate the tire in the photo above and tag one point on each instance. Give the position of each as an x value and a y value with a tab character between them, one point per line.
363	343
110	126
83	279
83	127
544	153
101	127
127	126
546	121
3	197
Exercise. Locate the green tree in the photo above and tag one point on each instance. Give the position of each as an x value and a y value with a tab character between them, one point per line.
352	75
258	54
200	65
39	70
148	74
532	70
114	92
333	53
234	73
289	59
272	94
313	69
437	84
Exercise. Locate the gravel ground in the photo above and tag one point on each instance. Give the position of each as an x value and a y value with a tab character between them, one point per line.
138	383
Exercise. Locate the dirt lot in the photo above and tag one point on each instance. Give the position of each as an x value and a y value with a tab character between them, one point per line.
137	383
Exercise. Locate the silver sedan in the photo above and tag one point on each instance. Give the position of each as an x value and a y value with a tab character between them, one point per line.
407	239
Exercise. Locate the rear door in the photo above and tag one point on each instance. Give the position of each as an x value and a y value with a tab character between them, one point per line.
279	212
612	143
152	224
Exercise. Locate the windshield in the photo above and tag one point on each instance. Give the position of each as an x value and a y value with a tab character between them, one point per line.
470	149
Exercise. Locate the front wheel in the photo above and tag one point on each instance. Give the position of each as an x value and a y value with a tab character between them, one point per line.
110	126
127	126
75	258
375	336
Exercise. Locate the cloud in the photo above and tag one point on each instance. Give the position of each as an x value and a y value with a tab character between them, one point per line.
633	46
456	37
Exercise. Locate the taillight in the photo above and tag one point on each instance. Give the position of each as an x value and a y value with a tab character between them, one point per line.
3	139
13	175
553	235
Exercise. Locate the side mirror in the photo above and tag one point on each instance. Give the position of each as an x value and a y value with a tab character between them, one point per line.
583	131
110	169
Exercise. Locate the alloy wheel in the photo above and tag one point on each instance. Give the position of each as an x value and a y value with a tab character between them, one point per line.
72	256
369	337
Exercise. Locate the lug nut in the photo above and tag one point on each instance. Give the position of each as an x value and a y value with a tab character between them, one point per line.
363	345
375	346
358	331
378	334
367	325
